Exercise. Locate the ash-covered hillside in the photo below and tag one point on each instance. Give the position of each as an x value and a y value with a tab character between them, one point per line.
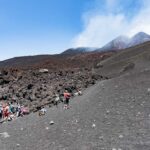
113	114
56	62
134	59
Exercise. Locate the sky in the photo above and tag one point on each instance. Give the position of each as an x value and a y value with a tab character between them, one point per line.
33	27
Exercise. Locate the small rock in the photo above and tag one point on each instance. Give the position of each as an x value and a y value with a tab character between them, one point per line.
51	122
5	135
93	125
79	130
142	104
101	137
76	121
139	113
116	86
120	136
107	111
18	145
47	128
53	143
131	106
100	104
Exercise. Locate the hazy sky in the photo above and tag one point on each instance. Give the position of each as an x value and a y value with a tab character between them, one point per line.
29	27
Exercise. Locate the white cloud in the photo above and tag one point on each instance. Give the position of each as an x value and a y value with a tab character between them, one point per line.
100	28
111	5
141	21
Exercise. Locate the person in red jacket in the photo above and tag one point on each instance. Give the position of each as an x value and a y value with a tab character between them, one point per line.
5	111
66	99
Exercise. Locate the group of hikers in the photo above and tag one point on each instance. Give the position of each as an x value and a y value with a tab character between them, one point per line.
10	111
65	98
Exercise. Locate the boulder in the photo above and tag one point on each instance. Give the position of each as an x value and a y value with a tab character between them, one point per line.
43	70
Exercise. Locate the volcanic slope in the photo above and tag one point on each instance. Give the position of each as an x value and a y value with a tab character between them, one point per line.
113	114
133	59
56	62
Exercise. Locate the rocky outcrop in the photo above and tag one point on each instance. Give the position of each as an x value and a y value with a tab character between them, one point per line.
34	88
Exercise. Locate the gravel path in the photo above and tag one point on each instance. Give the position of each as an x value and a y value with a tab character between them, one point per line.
111	115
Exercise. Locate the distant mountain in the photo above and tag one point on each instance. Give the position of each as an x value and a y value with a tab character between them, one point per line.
139	38
24	60
119	43
79	50
56	62
73	51
80	53
123	42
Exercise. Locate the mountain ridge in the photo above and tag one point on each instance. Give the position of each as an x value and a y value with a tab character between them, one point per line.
122	42
119	43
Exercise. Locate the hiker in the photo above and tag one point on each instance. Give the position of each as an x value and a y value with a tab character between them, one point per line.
24	110
18	110
67	98
11	108
57	99
79	92
5	111
61	97
1	111
42	111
